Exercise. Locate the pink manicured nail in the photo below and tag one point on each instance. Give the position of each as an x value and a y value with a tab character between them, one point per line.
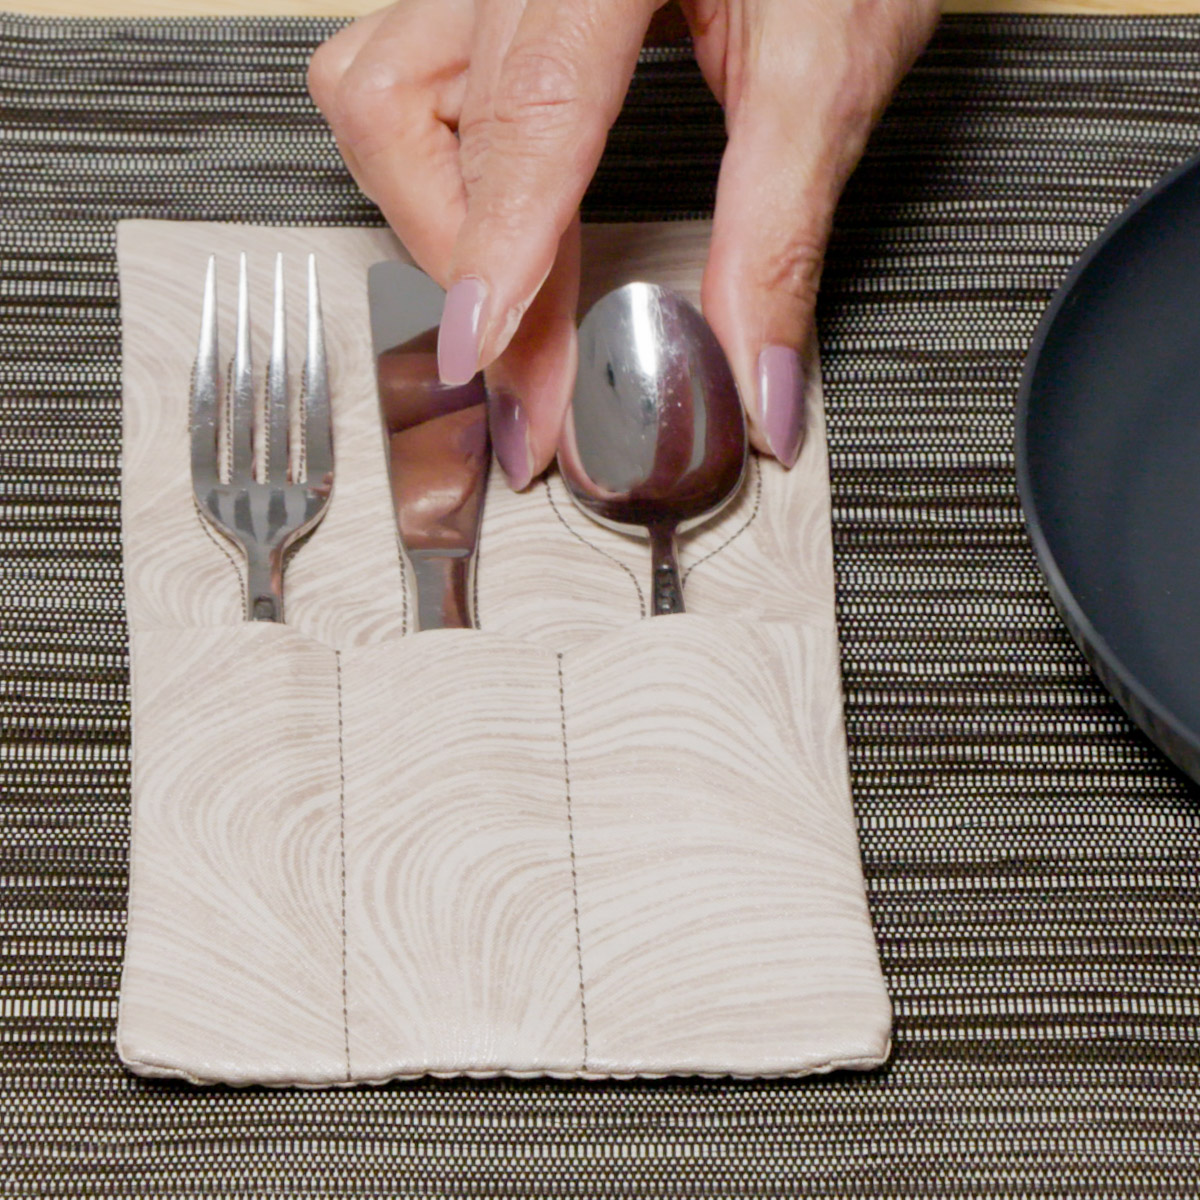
781	401
461	331
509	428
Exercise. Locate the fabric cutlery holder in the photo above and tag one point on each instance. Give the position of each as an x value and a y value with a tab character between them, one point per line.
574	842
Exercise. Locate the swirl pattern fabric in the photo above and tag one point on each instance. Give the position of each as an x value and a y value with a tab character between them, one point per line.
575	841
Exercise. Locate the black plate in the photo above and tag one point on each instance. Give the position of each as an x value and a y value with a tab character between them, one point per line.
1108	459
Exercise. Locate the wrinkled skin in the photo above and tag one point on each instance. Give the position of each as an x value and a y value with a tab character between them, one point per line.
476	126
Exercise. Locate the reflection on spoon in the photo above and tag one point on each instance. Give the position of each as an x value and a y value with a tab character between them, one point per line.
655	438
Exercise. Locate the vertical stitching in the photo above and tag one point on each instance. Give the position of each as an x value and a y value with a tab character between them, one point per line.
337	658
403	560
598	549
737	533
562	710
475	621
238	572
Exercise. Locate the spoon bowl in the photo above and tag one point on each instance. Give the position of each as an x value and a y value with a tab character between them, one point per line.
655	438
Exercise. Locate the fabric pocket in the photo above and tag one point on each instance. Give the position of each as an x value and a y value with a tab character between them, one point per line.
461	854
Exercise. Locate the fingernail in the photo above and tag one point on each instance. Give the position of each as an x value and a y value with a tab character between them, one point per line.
781	401
509	428
461	331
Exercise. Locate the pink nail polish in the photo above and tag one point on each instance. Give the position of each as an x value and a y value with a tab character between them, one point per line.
461	332
509	428
781	401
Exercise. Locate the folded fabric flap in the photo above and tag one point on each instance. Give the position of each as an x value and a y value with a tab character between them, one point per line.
457	852
632	858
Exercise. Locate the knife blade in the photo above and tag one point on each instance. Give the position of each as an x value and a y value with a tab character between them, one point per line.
435	441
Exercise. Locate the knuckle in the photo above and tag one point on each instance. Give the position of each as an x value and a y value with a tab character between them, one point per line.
474	151
534	124
367	101
537	83
856	57
324	70
794	270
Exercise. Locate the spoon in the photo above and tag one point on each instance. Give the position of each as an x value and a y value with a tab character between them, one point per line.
655	439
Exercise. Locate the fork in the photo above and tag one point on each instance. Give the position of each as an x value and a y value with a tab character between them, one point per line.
253	488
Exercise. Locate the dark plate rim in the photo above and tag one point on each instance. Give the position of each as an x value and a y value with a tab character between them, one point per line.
1077	620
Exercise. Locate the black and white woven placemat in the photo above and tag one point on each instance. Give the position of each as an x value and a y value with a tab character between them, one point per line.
1031	860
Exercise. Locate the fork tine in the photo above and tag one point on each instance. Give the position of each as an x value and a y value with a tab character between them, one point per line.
242	410
318	420
206	389
277	388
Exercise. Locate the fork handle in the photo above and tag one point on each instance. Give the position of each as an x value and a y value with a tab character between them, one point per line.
264	586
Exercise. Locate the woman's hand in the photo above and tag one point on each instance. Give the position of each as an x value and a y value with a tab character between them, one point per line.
476	126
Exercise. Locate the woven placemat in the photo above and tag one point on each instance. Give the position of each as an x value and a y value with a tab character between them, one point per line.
1031	860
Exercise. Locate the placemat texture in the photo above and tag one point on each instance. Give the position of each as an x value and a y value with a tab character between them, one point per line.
1030	859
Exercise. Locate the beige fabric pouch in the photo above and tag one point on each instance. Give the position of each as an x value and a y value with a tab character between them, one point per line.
573	842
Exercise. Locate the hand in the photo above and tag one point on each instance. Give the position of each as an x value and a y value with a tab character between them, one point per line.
476	126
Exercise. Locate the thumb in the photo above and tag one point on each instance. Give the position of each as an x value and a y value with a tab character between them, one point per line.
528	148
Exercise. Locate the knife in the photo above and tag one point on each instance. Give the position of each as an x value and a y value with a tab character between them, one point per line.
435	441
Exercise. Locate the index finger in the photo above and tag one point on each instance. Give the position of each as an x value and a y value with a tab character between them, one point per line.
527	153
390	87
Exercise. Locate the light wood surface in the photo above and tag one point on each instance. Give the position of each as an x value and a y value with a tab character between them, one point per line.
353	8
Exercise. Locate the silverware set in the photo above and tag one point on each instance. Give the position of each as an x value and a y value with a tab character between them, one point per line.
655	439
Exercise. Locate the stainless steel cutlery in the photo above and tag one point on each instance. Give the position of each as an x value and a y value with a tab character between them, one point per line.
436	442
252	482
655	439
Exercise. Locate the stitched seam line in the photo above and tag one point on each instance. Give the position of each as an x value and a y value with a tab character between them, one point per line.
475	621
337	658
737	533
403	586
220	544
562	711
598	549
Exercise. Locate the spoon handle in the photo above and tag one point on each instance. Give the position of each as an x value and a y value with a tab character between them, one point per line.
668	587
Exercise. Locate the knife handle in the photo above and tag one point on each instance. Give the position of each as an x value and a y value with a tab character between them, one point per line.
443	587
